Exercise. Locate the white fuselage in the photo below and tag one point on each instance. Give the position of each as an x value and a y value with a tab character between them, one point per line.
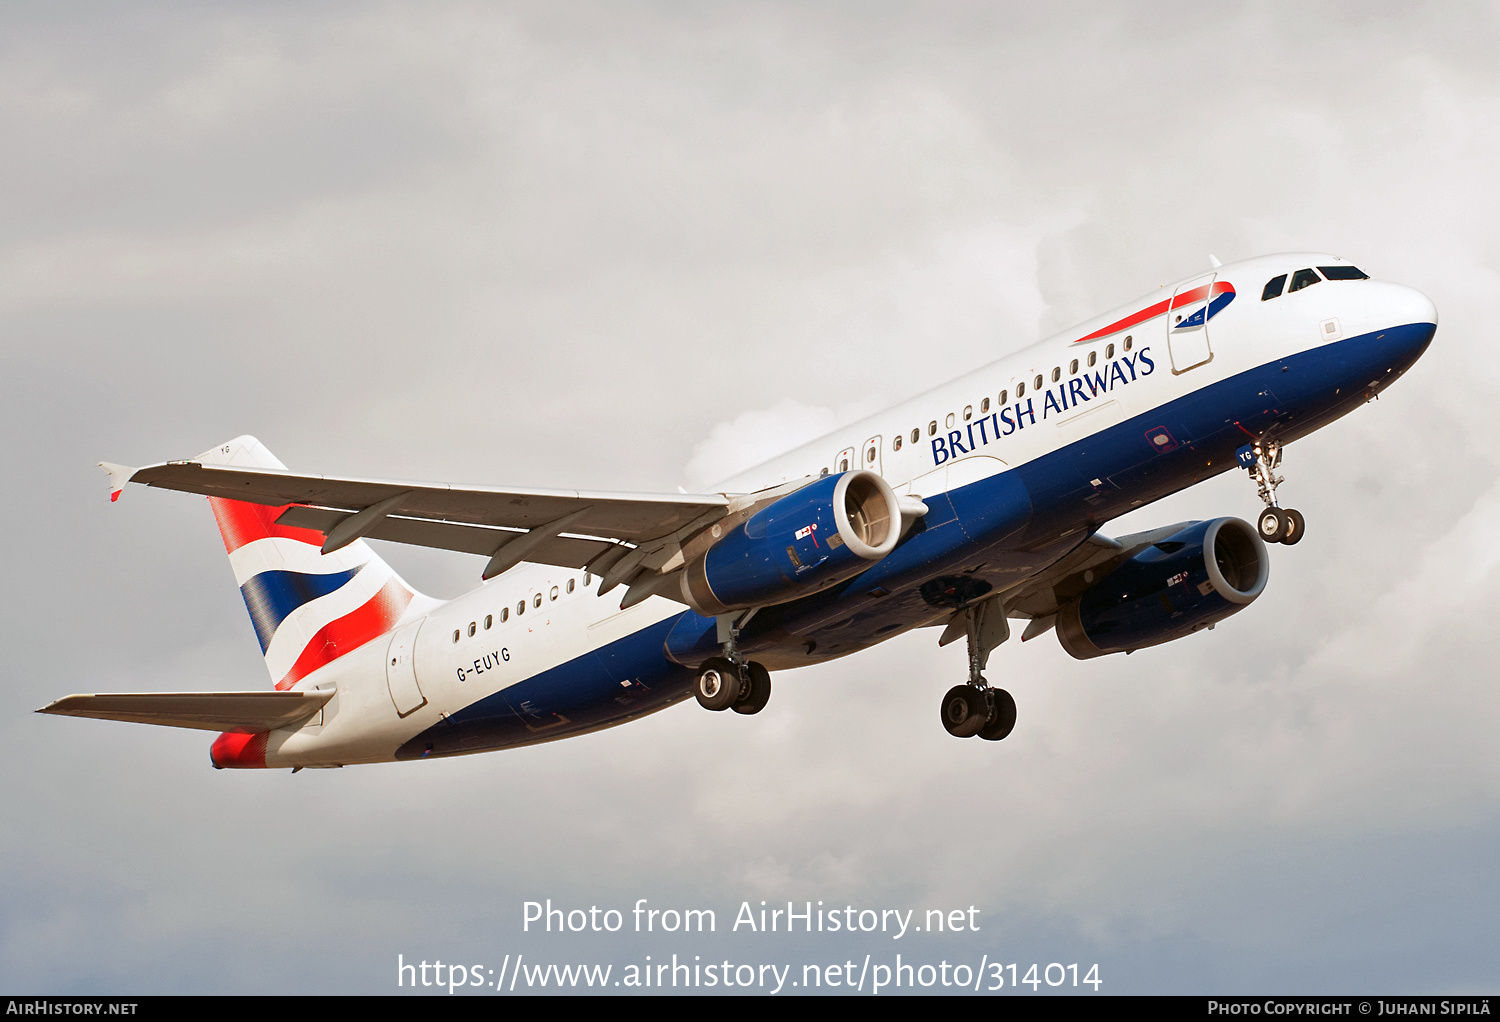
533	618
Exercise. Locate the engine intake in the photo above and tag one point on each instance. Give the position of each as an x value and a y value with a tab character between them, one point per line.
824	533
1169	590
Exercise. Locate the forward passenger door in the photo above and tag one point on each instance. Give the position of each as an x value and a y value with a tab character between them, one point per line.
1187	324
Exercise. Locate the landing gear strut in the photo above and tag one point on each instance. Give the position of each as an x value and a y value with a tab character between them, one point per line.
730	681
1275	524
976	708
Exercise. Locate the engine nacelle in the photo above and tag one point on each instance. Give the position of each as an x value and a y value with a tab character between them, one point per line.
1169	590
824	533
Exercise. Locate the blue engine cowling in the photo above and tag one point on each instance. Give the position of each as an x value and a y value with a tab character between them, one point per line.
824	533
1169	590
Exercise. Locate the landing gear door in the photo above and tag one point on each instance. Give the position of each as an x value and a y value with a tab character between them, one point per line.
1187	325
401	670
870	455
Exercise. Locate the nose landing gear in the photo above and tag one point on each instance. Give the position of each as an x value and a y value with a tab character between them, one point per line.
1275	524
976	708
1278	525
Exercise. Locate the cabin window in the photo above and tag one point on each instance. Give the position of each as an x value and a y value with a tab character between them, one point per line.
571	583
1020	390
1004	395
1128	342
504	614
455	635
536	601
520	608
1343	273
932	428
1303	278
984	407
1036	384
553	593
472	629
489	621
896	443
968	412
1109	351
948	422
1056	373
915	434
1093	357
1273	288
1073	368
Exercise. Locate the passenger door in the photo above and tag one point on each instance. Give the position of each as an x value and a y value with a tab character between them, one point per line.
1187	325
401	670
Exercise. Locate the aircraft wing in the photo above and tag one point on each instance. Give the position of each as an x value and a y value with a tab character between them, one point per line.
243	712
568	528
1040	597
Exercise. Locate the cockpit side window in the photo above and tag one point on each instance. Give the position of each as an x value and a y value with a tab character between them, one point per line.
1273	288
1303	278
1343	273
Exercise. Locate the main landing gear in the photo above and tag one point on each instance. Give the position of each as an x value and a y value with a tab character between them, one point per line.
976	708
724	685
730	682
1275	524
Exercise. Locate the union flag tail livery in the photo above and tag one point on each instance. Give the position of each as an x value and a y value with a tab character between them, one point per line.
971	505
308	608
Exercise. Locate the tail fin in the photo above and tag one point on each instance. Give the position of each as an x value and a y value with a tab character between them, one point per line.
308	608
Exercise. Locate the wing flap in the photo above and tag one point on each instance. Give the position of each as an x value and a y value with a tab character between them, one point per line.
563	551
243	712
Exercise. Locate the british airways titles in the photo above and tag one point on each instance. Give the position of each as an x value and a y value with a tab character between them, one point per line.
1064	396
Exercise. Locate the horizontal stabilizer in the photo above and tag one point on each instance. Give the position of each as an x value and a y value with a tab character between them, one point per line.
243	712
119	475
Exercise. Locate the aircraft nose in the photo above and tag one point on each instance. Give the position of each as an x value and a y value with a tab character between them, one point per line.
1410	320
1408	305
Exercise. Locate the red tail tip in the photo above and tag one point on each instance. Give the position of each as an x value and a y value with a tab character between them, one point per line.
232	749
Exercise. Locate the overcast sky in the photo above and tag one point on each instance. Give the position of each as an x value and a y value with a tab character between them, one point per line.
638	246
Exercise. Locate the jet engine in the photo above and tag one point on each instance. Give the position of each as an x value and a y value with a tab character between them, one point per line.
1188	581
824	533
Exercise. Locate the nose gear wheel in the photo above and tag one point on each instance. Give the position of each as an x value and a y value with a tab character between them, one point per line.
1276	524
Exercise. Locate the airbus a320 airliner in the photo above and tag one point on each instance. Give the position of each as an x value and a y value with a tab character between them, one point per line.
974	504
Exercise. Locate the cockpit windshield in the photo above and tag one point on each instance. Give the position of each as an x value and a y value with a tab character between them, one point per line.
1303	278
